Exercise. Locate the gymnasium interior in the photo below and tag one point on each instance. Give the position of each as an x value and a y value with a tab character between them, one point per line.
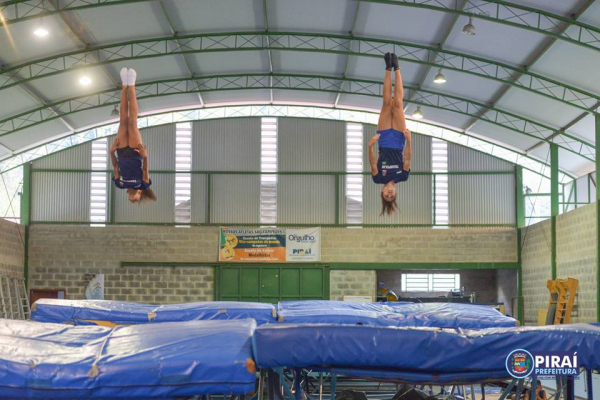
262	266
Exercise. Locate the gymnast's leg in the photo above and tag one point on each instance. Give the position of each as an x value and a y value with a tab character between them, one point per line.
385	115
398	118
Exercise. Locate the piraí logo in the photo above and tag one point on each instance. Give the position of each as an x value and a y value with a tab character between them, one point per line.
519	363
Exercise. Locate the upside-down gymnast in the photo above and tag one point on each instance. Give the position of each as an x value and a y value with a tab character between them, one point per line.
131	160
393	139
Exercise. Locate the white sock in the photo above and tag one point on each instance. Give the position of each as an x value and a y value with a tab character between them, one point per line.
131	75
124	76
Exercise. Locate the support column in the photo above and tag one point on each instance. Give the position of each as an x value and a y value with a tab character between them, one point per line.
553	202
25	218
520	219
597	217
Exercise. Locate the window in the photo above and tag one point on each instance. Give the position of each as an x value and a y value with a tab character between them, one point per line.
183	178
268	165
354	164
11	185
439	163
99	183
430	282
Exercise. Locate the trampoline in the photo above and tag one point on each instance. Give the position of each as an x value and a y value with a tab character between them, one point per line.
141	361
439	315
111	313
417	355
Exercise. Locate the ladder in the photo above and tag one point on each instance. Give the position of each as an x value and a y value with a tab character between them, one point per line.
22	298
562	298
14	303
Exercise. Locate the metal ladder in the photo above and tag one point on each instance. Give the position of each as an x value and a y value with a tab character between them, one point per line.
22	298
14	303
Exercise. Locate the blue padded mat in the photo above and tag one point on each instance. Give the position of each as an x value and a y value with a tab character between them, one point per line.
82	312
424	355
152	360
440	315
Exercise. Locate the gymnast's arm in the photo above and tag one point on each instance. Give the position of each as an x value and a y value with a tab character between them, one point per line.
113	158
407	150
144	153
372	157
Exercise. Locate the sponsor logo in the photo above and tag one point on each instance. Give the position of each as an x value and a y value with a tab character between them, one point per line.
302	252
520	363
301	239
384	172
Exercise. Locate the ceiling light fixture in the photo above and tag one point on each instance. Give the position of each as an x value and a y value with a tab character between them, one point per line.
418	114
469	29
439	78
114	112
40	31
85	80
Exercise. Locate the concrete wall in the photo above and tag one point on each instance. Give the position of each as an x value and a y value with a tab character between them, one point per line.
576	258
64	257
12	249
352	282
576	242
419	245
507	290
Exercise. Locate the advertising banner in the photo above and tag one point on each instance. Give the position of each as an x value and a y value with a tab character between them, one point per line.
270	245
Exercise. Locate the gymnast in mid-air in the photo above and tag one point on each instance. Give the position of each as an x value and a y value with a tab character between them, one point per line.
393	138
131	160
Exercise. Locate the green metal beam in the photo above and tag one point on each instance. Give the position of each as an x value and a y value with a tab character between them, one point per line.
347	265
515	15
553	204
278	225
306	42
15	11
409	266
26	195
597	216
519	197
520	305
313	83
327	173
497	11
26	218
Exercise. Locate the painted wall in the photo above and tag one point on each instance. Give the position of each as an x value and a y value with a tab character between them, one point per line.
12	249
60	256
576	258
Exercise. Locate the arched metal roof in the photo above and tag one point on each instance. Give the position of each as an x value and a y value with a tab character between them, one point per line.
526	79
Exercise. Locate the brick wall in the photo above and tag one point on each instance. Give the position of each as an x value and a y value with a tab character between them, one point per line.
11	249
576	242
352	282
62	256
419	245
482	282
536	269
576	258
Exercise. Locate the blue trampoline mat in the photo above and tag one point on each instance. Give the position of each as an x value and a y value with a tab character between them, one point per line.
44	360
409	354
83	312
439	315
